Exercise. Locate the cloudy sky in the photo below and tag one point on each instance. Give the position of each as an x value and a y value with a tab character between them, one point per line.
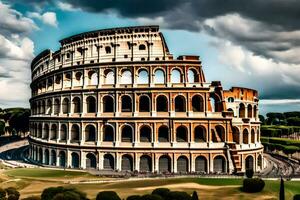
245	43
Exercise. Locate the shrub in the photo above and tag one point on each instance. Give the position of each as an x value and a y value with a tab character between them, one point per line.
195	196
163	192
50	193
253	185
296	197
134	197
12	197
151	197
249	173
107	195
12	193
68	195
2	193
178	196
32	198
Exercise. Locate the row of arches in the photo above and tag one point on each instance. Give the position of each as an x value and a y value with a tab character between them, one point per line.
144	104
248	111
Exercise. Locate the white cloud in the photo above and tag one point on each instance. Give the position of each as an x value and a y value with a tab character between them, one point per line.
48	18
66	6
279	101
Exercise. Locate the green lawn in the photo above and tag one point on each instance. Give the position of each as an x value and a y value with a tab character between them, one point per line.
43	173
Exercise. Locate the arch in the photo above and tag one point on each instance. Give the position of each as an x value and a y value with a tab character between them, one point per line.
66	106
250	113
40	131
91	162
127	163
62	159
182	164
46	131
252	136
75	160
126	103
255	111
56	106
144	103
108	50
93	78
249	162
143	77
201	164
219	135
49	107
259	161
126	77
245	136
242	111
181	134
40	157
180	104
176	76
219	164
108	162
108	104
76	105
215	103
145	163
46	155
78	79
163	134
108	133
164	163
145	134
127	134
236	135
142	47
109	77
161	103
90	133
63	132
91	104
230	99
197	103
53	158
53	133
200	134
75	131
159	76
192	76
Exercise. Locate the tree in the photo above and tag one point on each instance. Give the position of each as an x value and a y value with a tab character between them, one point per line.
107	195
151	197
2	127
262	119
163	192
134	197
2	193
281	192
175	195
195	196
12	193
62	193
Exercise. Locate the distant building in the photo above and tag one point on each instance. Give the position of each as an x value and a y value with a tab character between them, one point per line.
116	99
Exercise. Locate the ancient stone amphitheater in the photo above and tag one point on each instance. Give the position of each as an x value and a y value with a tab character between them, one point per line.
117	99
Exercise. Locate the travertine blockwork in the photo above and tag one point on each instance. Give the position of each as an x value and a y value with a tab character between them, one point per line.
116	99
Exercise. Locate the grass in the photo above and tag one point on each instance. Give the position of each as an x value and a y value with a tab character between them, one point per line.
43	173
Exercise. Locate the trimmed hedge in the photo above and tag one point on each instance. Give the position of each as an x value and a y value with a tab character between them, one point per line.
253	185
107	195
296	197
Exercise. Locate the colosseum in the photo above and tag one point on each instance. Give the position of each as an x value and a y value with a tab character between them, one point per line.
117	100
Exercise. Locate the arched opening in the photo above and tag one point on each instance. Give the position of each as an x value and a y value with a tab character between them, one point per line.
143	77
76	105
245	136
78	79
200	134
164	164
40	156
126	103
182	164
46	132
40	131
259	162
145	134
53	133
127	135
145	163
236	135
62	159
163	134
249	108
66	106
63	132
90	133
91	104
219	134
219	164
56	106
201	164
144	103
93	78
242	111
142	47
127	163
252	136
180	105
108	133
109	77
91	161
75	133
53	158
108	104
161	104
49	107
192	76
108	162
126	77
255	111
159	77
175	76
181	134
108	50
46	160
75	160
197	103
249	164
